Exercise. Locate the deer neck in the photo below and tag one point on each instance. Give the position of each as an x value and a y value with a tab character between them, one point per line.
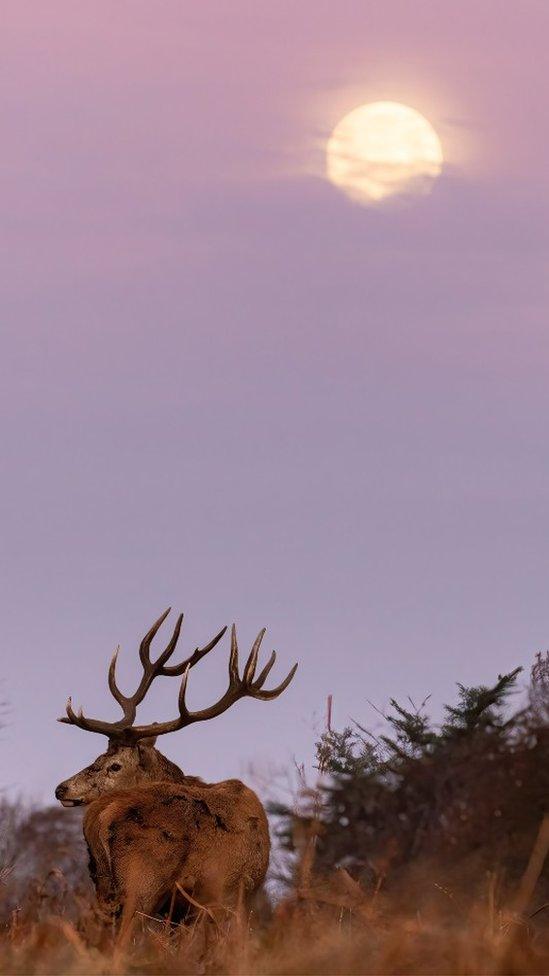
159	767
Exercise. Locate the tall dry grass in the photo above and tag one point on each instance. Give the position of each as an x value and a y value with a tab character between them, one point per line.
323	926
452	876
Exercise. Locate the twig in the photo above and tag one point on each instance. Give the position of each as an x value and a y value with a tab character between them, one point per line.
194	902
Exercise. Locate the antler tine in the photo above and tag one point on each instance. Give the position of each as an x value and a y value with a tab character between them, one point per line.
251	663
160	728
91	724
273	692
127	704
173	670
151	669
113	687
262	676
170	647
71	715
234	677
145	645
183	710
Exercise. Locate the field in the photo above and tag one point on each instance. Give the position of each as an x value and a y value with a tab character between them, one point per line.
420	850
327	924
332	929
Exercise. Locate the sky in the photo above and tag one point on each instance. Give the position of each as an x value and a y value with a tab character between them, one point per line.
229	389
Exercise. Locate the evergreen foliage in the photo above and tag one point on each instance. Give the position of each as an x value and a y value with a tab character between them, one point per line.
470	791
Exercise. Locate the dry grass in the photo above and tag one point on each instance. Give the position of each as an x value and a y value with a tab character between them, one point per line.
328	928
427	922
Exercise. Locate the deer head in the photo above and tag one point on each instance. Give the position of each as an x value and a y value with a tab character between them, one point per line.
131	758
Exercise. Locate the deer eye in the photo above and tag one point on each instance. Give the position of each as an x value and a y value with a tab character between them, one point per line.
114	767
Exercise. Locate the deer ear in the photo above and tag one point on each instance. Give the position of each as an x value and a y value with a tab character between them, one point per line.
147	742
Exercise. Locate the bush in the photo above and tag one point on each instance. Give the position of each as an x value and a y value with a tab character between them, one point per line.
461	799
43	856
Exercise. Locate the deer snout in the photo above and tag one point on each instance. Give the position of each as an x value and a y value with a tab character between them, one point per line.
61	795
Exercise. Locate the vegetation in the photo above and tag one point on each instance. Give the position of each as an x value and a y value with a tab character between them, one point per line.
421	850
467	797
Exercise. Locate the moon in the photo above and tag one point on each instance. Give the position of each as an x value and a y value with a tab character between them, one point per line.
381	150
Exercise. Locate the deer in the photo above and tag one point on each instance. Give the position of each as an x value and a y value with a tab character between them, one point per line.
158	839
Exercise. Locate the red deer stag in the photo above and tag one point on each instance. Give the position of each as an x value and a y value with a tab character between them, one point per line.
154	834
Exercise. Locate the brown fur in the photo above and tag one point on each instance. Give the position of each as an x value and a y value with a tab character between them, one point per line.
210	839
149	828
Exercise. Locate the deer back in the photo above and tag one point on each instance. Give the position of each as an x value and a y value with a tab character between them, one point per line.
208	838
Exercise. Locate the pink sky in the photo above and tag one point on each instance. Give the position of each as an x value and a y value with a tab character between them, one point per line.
227	388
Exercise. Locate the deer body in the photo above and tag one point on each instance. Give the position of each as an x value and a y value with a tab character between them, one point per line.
152	831
147	845
154	834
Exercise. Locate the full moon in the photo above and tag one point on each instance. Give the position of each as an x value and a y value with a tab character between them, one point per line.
381	150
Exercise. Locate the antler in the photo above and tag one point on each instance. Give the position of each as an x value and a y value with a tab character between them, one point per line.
239	687
123	729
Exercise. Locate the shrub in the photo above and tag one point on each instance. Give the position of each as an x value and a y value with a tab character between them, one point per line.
462	798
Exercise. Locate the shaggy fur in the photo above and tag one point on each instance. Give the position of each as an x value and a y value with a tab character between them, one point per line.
154	833
210	839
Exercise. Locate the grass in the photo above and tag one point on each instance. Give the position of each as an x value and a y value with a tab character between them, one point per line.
329	926
427	922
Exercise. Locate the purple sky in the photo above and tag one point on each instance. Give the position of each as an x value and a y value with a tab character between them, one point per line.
229	389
